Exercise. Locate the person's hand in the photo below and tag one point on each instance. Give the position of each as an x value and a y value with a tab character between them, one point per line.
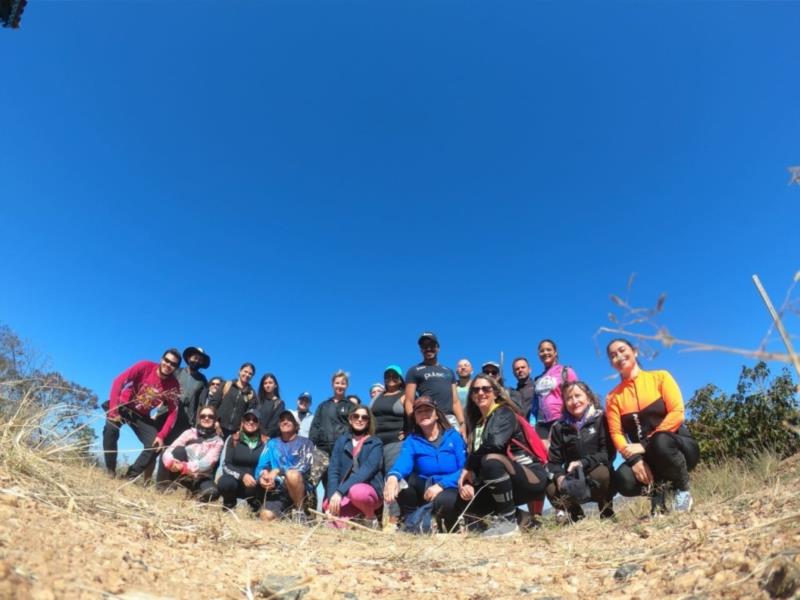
218	429
335	504
158	442
248	480
115	420
465	477
560	480
466	491
631	450
176	466
575	464
266	480
391	489
642	472
432	492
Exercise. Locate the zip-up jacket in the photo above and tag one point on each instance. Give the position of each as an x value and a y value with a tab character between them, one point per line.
330	421
202	453
342	474
269	411
640	407
500	428
590	445
232	405
240	459
441	464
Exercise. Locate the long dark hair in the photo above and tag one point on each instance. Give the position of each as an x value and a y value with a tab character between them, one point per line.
474	415
262	395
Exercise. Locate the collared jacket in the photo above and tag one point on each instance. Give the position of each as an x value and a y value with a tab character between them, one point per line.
499	429
343	474
330	421
440	464
590	445
231	403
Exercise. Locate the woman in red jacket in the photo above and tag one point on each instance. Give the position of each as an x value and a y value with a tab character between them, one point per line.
645	422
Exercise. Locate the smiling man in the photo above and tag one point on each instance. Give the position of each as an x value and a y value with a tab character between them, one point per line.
134	394
429	378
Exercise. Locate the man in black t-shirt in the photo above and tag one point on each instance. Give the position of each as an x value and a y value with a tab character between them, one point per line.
436	381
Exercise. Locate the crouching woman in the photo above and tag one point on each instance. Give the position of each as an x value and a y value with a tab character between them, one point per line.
430	461
580	456
191	459
502	469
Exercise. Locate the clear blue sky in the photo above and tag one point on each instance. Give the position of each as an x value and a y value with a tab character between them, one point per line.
309	185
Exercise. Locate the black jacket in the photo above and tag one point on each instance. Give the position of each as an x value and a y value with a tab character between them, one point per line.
501	427
330	421
231	406
240	459
591	445
269	411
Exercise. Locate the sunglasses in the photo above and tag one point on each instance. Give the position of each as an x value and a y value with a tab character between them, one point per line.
250	419
171	363
492	372
482	388
359	417
206	416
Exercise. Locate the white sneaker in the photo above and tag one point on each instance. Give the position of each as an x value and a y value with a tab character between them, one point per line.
501	527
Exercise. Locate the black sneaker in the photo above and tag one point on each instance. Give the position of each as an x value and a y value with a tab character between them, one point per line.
500	527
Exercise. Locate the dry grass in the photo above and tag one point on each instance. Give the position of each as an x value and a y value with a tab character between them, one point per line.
70	531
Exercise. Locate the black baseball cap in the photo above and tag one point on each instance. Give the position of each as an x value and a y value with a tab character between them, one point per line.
427	335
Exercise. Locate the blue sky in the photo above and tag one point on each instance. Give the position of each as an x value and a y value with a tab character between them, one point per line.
309	185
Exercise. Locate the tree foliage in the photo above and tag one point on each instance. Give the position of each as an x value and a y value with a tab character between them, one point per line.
27	384
749	421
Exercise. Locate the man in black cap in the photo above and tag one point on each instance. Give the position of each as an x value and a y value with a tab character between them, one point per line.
193	386
436	381
303	413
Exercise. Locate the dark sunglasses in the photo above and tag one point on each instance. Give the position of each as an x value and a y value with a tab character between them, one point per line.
492	372
206	416
481	388
171	363
250	419
359	417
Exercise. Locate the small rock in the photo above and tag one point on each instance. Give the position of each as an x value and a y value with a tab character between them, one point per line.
781	577
650	566
350	596
273	586
530	588
624	572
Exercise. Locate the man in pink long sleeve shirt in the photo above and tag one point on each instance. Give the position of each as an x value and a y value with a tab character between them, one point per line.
134	394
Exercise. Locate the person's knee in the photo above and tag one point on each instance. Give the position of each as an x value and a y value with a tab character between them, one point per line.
625	482
493	466
227	484
661	445
267	515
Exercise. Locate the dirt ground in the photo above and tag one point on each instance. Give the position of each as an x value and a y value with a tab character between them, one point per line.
94	537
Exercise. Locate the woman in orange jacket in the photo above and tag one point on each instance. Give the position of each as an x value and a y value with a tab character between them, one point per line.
646	424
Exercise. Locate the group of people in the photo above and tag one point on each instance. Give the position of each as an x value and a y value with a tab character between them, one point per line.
433	449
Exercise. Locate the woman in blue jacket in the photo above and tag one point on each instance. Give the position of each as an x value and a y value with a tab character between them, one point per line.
355	478
430	461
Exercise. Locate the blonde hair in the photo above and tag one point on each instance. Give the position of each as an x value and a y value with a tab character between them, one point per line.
341	373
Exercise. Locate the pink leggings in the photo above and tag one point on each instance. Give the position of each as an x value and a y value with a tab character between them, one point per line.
362	499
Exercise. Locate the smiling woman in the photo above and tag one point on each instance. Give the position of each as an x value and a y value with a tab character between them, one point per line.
646	424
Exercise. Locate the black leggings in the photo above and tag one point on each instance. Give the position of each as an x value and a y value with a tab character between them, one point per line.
670	457
503	484
231	488
443	506
601	491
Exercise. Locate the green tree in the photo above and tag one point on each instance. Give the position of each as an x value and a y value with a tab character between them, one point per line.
749	421
29	389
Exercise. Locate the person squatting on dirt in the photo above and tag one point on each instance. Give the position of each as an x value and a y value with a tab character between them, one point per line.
430	461
505	467
242	451
645	421
283	468
355	473
580	456
134	394
191	459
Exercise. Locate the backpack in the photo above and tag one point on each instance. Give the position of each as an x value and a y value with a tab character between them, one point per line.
533	444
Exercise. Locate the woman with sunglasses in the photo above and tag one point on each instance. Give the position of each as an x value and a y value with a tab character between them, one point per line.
242	452
580	456
548	406
430	462
355	478
191	459
645	421
501	471
270	404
